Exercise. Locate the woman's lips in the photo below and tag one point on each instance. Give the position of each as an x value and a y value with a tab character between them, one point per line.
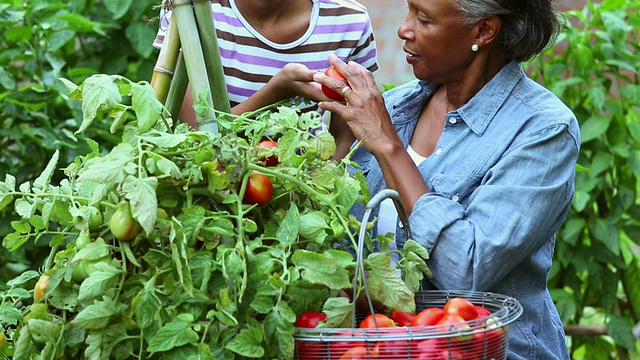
411	57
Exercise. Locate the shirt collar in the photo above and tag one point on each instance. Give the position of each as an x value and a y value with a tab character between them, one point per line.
480	110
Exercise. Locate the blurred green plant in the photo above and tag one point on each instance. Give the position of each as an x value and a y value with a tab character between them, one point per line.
40	42
596	274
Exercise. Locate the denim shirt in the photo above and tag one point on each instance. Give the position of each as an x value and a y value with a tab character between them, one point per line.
502	181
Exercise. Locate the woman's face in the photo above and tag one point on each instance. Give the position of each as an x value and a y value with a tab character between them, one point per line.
436	41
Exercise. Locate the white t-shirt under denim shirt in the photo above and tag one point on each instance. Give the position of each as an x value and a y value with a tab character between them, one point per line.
502	180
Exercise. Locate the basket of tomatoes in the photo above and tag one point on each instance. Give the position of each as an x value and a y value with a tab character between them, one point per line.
466	325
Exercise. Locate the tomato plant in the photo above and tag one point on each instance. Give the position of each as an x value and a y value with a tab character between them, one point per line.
270	160
122	225
428	317
373	321
461	307
333	73
259	189
402	318
206	275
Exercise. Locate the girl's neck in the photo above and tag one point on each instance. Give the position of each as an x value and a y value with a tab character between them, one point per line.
279	21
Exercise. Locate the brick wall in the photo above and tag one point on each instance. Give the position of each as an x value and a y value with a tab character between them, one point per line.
386	15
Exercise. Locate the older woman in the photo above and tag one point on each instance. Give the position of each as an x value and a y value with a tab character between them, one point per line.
482	156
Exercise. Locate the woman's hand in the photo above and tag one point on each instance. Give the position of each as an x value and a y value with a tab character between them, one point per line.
364	110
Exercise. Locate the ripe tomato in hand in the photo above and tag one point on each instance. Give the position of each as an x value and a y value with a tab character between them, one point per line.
271	160
381	320
402	318
333	73
259	189
461	307
428	317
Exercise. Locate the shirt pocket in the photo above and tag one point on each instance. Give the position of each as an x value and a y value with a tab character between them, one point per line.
455	187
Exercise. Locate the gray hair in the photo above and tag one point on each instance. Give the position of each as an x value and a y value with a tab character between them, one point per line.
528	26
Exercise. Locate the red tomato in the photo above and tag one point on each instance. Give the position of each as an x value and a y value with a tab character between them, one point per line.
333	73
309	350
454	323
402	318
357	353
428	317
395	349
489	342
339	348
271	160
461	307
482	311
259	189
381	320
310	319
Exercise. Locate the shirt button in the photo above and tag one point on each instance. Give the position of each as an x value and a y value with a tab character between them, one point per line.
455	198
453	120
438	151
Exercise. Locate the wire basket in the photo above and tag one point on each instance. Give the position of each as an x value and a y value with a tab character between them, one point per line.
484	338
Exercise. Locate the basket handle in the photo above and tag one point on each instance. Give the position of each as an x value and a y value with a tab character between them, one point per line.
372	204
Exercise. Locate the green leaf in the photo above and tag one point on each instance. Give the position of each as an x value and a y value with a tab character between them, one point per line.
287	232
606	232
620	329
104	278
99	93
98	314
9	314
278	328
594	127
6	188
118	8
339	313
321	269
141	35
175	333
146	305
385	284
313	225
44	331
247	343
141	193
112	168
572	229
146	105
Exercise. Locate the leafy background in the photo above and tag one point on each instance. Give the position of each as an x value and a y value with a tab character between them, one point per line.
593	68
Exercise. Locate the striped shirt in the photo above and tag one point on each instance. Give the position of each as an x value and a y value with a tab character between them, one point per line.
341	27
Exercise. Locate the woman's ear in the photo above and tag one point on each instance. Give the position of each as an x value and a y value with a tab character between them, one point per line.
487	30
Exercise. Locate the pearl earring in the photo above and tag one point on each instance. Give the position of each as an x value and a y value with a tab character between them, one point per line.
475	47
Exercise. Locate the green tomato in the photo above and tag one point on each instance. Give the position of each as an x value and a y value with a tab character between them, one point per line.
82	240
122	225
95	221
84	268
